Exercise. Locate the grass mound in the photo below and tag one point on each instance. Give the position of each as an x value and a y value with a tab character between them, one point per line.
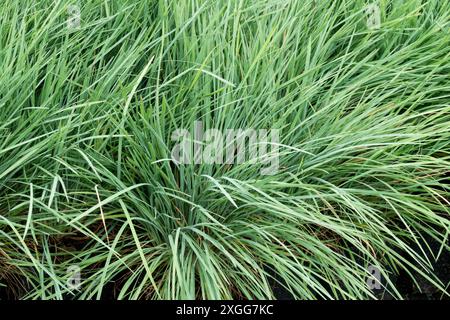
92	93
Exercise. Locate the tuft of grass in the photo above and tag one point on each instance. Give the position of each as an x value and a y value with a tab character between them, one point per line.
87	114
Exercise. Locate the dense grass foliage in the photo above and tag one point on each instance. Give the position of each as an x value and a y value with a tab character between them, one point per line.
87	180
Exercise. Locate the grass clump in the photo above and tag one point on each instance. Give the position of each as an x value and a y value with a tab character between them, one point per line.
86	177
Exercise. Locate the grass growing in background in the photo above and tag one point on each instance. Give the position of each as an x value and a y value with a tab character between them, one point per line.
86	117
